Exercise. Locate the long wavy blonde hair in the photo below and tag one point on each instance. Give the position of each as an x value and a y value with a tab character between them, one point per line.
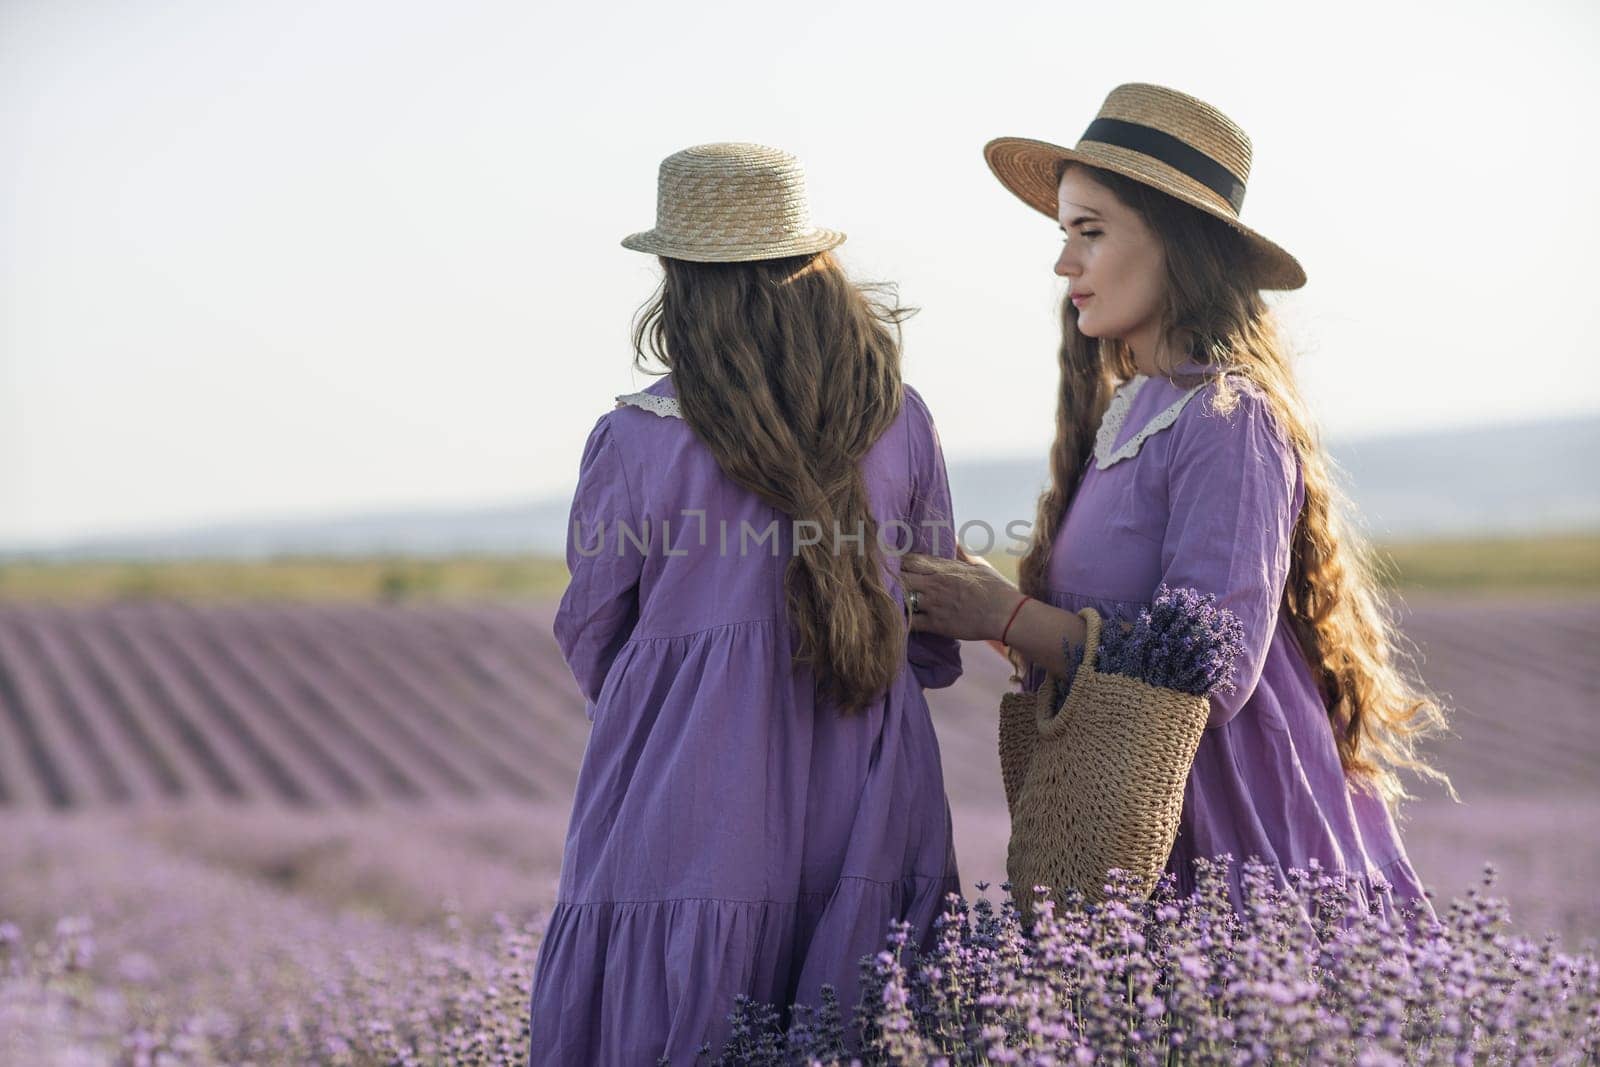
789	372
1332	597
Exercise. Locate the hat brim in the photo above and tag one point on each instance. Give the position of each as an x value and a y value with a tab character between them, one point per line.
652	242
1032	171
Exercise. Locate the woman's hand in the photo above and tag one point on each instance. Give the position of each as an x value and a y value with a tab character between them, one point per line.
966	557
962	598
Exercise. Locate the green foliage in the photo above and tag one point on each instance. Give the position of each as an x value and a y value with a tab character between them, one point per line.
394	578
1566	564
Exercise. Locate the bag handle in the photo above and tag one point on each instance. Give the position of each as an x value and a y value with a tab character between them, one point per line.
1047	718
1091	642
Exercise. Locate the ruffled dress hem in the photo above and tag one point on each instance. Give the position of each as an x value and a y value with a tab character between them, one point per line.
689	956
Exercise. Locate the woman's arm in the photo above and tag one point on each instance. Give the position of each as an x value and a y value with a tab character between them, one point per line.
1041	632
1232	494
974	602
600	604
935	659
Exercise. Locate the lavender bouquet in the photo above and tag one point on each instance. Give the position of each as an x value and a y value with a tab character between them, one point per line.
1182	641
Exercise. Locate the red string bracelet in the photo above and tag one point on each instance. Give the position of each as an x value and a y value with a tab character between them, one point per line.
1024	600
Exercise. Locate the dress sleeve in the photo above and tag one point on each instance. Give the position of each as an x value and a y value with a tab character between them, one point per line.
935	660
1234	494
601	604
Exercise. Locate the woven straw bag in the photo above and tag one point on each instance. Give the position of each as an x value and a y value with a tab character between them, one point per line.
1097	785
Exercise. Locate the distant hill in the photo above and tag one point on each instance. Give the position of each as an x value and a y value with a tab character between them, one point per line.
512	529
1511	478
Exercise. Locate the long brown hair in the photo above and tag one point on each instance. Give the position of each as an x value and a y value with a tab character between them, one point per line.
1332	598
789	372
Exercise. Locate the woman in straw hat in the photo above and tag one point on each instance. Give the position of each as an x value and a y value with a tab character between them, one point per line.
1185	455
761	795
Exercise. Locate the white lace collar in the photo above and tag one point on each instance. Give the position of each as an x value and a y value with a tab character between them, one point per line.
665	406
1111	422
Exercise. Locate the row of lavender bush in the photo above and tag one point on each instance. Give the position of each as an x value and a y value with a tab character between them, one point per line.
1303	973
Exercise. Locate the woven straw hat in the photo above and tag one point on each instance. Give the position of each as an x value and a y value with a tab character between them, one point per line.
1166	139
726	203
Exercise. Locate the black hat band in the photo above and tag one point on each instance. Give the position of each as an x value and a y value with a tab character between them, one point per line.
1175	153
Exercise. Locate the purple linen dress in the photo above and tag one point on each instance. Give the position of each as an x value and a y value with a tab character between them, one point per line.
731	832
1177	493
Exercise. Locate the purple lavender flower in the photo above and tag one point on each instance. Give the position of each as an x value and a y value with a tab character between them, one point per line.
1183	641
1303	967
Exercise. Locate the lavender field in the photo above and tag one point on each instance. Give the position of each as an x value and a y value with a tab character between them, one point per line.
291	824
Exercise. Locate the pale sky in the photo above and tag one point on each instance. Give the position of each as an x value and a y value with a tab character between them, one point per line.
301	258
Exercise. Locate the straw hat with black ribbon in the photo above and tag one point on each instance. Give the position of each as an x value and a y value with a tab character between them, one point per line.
1166	139
729	203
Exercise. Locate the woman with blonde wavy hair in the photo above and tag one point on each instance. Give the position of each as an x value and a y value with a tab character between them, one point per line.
761	794
1184	455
